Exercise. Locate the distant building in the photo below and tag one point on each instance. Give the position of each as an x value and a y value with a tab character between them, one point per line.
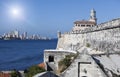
24	35
81	25
16	33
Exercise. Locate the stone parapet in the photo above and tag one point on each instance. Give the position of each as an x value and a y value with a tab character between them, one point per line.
104	37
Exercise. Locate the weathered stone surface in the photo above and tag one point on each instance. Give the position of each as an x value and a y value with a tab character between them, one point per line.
103	37
83	66
57	56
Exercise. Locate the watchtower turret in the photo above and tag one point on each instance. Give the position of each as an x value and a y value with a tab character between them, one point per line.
93	16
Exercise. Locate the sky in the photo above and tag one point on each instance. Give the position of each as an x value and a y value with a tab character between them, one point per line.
46	17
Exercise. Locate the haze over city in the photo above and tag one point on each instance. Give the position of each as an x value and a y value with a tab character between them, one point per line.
47	17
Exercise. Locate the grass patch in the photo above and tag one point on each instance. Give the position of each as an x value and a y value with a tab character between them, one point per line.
88	45
66	62
33	70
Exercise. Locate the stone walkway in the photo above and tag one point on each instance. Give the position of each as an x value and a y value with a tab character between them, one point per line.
83	66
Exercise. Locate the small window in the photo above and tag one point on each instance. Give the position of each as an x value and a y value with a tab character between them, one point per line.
88	25
82	25
51	58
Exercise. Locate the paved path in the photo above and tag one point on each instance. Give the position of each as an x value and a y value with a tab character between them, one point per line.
83	66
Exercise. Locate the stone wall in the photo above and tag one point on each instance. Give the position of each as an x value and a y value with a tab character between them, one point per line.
57	54
103	37
105	40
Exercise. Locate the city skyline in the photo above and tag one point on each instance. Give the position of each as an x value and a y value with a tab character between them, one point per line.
17	35
47	17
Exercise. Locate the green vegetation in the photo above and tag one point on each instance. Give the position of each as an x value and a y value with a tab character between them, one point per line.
96	49
15	73
65	63
87	45
30	72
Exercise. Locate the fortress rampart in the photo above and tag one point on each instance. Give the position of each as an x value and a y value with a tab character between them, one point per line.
101	43
103	37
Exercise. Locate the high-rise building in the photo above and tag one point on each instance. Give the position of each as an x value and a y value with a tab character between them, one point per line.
16	33
25	35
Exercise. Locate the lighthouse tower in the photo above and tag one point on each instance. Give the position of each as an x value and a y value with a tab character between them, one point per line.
93	16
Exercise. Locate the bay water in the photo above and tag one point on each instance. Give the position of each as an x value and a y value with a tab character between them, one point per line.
21	54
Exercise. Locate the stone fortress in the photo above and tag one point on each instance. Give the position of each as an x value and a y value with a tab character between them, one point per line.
97	44
81	25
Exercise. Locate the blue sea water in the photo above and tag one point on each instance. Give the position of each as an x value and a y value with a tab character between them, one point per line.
21	54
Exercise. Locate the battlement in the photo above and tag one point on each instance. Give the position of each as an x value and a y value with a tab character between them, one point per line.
115	23
107	33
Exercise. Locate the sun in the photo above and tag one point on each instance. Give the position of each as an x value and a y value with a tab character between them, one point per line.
15	12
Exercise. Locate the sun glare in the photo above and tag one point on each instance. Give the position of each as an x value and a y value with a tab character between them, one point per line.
15	11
